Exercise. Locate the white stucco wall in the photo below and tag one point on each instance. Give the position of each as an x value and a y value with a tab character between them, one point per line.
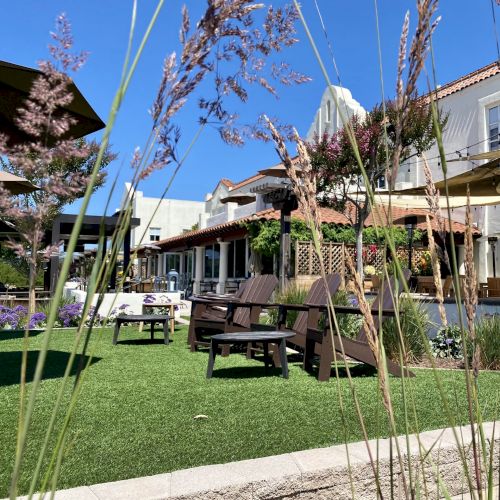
467	126
172	217
347	107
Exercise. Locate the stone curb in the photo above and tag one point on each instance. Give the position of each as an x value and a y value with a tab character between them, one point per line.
320	473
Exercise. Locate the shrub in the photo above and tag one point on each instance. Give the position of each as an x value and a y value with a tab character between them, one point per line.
349	324
448	343
413	319
293	294
488	341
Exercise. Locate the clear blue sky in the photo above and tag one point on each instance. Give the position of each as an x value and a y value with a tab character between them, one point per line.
464	41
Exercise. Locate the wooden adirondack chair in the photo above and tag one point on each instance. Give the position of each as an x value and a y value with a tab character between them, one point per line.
211	305
320	342
240	313
308	317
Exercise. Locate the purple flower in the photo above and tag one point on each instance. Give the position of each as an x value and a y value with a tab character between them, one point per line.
449	341
37	318
70	314
353	301
21	310
123	307
149	299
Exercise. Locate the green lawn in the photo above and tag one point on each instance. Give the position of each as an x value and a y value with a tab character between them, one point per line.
135	415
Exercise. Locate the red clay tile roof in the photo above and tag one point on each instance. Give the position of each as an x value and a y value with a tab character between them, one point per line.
467	80
328	216
242	183
227	182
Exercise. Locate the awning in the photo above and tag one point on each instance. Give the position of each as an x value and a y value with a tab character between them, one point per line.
483	181
240	198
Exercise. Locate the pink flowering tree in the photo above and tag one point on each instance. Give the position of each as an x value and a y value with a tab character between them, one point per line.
58	167
339	176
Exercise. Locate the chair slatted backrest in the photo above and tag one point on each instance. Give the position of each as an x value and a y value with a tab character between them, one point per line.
318	297
493	287
390	289
257	290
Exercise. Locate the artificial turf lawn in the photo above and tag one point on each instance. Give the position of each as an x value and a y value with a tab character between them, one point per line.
135	414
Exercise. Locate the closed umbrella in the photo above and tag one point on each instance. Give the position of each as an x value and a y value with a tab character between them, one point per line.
15	84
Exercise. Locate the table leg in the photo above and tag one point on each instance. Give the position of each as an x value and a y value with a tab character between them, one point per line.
265	347
152	330
116	332
172	318
284	361
165	332
211	358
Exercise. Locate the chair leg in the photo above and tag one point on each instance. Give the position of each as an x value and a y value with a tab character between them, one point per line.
116	332
152	330
250	351
211	358
326	358
226	349
284	361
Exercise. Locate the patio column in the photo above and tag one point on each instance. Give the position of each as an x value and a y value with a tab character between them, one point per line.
161	260
139	267
461	259
223	261
199	252
149	269
484	256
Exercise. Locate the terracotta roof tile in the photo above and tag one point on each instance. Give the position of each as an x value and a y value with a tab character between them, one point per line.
227	182
242	183
328	215
467	80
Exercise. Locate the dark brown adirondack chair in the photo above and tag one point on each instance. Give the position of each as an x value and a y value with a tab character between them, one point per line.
211	305
309	313
240	313
320	342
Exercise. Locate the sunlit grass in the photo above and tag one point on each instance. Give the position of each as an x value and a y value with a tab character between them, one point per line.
135	414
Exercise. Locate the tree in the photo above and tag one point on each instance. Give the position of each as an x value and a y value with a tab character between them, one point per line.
80	163
60	167
339	175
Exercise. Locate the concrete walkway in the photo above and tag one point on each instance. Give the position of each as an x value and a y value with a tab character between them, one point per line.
320	473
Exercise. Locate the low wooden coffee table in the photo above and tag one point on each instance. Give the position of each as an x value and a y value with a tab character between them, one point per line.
143	318
263	337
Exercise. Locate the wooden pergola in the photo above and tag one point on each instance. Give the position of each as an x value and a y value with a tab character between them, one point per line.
93	228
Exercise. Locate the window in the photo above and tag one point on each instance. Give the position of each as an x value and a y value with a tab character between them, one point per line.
172	261
212	258
154	234
236	259
328	111
493	127
381	182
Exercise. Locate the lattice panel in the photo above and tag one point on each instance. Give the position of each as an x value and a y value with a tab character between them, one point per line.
335	255
307	262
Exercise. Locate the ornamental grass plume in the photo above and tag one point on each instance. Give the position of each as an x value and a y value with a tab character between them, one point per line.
406	92
470	287
436	272
227	45
42	120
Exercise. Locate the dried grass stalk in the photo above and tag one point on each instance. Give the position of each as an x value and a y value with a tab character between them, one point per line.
436	272
470	283
371	335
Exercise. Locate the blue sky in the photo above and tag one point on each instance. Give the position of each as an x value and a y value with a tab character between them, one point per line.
464	41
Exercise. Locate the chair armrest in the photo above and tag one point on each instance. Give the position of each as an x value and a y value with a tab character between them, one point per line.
295	307
357	310
265	305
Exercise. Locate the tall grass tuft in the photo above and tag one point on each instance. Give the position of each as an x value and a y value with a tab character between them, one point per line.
488	342
292	294
413	318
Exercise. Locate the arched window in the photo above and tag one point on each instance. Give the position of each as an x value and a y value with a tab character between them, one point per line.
328	111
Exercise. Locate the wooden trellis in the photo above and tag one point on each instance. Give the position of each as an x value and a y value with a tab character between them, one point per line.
335	254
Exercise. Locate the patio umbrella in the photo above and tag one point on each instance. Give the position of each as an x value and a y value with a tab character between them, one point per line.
14	184
278	171
15	85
